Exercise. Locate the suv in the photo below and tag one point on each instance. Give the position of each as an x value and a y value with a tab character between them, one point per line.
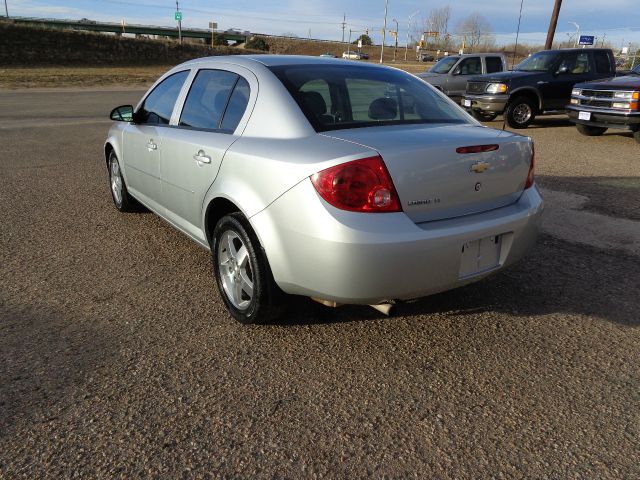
611	103
540	84
450	74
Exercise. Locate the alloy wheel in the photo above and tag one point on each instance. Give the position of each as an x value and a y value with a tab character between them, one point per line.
235	270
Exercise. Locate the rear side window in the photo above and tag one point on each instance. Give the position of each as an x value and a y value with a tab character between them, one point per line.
158	105
207	99
494	64
237	105
603	64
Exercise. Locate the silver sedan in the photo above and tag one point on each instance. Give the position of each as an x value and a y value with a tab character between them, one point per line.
347	183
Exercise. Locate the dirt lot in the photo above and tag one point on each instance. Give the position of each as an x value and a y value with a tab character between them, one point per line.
117	357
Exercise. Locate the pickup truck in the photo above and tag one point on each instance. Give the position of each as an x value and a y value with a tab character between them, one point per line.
540	84
612	103
450	74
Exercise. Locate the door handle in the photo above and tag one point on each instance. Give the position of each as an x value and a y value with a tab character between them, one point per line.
201	158
151	146
542	82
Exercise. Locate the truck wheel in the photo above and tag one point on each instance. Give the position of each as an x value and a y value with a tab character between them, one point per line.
482	116
590	131
636	135
520	112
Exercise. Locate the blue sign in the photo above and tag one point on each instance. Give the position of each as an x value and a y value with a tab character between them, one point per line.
586	39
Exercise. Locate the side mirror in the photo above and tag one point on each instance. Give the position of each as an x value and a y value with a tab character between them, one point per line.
123	113
563	69
456	71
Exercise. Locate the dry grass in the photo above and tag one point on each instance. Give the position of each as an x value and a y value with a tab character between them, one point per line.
56	77
78	77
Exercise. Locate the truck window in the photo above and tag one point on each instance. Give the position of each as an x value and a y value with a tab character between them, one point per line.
494	64
603	64
469	66
576	63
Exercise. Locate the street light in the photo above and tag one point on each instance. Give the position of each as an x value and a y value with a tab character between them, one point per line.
406	47
384	29
575	44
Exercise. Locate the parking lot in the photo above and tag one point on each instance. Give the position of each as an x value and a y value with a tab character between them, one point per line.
117	356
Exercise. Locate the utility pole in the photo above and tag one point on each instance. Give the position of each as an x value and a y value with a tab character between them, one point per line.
406	47
552	25
344	24
179	22
515	48
384	29
6	9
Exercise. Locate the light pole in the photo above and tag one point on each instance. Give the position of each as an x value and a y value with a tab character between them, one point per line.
406	47
395	48
384	29
6	9
575	44
179	22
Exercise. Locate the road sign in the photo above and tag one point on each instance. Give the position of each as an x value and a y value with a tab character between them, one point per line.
586	39
213	25
360	43
178	16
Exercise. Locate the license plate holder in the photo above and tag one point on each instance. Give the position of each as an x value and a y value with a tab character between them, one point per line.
480	256
584	116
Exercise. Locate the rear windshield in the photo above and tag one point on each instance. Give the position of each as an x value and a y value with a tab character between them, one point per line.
336	97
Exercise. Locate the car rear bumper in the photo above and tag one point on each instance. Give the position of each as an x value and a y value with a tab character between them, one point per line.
605	118
487	103
319	251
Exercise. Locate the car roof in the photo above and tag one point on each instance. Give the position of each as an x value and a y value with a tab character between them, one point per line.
274	60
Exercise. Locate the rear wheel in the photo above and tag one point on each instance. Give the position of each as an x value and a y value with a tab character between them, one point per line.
590	131
483	116
242	272
520	112
636	135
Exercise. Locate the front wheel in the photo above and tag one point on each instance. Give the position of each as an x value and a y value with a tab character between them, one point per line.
242	272
520	112
121	198
483	116
590	131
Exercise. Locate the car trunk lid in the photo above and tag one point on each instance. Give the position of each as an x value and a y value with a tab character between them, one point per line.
434	181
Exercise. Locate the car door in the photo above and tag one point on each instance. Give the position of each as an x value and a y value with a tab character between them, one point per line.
193	149
457	80
142	139
574	68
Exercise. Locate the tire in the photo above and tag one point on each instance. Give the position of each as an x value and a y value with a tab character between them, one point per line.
636	135
520	112
242	272
482	116
119	193
590	131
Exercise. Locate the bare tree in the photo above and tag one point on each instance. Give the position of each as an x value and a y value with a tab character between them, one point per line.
474	31
436	22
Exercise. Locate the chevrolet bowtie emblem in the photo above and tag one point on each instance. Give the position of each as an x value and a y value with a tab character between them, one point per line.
480	167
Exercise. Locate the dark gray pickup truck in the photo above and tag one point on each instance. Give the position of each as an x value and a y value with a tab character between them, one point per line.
611	103
540	84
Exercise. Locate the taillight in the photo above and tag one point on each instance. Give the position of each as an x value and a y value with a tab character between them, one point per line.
531	168
359	186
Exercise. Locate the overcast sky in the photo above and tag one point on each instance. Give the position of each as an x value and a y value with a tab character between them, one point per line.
618	19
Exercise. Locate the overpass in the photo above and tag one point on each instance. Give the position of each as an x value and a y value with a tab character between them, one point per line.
118	28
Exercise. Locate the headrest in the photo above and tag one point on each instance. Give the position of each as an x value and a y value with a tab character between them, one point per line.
383	109
315	103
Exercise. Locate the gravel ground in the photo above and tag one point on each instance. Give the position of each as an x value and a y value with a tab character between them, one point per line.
117	358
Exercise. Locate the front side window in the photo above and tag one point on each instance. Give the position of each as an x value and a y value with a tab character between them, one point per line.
494	64
575	63
339	97
158	106
207	99
469	66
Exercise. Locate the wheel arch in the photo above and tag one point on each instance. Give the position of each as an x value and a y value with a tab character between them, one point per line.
216	209
530	93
